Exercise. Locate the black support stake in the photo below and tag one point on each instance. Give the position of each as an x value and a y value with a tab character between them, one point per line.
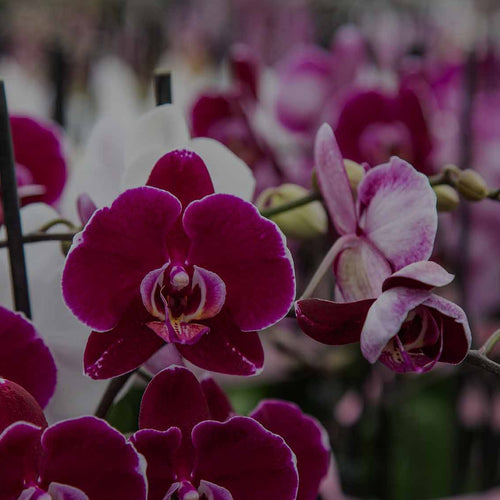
163	87
12	218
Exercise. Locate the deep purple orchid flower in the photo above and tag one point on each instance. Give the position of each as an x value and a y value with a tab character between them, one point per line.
391	224
407	328
373	126
79	459
197	448
197	270
24	358
40	162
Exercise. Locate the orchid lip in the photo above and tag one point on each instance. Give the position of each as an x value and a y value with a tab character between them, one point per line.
178	295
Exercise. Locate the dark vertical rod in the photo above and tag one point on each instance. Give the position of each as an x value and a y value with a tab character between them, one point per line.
163	87
12	218
58	76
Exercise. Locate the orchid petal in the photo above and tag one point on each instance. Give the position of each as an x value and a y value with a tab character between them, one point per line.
117	248
213	492
333	181
385	317
456	331
19	454
229	173
160	449
124	348
246	459
397	212
306	438
425	275
332	323
218	403
59	491
24	358
87	453
225	348
360	269
229	237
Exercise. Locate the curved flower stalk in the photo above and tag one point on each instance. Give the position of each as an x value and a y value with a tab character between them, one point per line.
62	333
79	459
391	224
40	161
407	327
195	445
173	262
24	358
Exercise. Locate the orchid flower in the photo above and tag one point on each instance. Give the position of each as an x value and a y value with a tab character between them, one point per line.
173	262
392	224
194	444
407	327
79	459
373	126
40	161
24	358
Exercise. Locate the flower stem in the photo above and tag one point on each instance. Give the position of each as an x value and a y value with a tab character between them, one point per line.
488	346
309	198
55	222
36	237
114	387
479	360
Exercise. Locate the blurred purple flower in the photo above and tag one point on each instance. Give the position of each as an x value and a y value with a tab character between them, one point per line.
392	224
173	262
407	327
194	443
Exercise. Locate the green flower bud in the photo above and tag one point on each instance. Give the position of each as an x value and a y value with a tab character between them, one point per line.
471	185
355	172
447	198
307	221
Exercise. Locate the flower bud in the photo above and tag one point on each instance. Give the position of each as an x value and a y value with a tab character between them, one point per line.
447	198
303	222
471	185
355	173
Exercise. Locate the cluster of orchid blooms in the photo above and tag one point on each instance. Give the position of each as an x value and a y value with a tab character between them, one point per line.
182	266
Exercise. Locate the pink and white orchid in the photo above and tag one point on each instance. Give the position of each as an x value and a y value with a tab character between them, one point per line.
173	262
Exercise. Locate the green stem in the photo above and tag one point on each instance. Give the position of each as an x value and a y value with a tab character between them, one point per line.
488	346
309	198
56	222
479	360
36	237
114	387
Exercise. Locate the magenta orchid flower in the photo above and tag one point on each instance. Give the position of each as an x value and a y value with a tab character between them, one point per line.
24	358
373	126
40	162
80	459
195	445
407	327
173	263
391	224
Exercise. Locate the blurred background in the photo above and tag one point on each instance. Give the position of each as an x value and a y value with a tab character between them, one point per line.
261	76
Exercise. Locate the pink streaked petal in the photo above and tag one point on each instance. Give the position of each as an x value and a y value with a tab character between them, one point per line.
178	332
397	212
212	291
385	317
19	455
213	492
174	399
148	290
332	323
109	259
333	181
59	491
425	275
124	348
225	348
24	358
306	438
34	493
183	174
159	449
456	331
16	404
218	403
360	269
248	252
87	453
246	459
